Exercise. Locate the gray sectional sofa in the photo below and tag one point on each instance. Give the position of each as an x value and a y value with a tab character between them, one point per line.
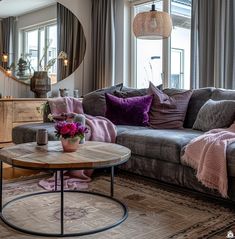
156	153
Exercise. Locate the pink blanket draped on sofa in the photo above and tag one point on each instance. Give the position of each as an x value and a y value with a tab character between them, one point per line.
207	155
100	129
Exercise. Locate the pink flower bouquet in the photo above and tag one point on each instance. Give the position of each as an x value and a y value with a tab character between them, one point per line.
73	130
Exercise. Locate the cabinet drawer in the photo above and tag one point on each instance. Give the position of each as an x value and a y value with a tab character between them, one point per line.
25	111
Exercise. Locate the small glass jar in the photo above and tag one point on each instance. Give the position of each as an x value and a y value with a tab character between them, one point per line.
76	93
42	137
64	92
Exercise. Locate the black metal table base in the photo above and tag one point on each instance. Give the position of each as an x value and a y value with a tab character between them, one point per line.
61	192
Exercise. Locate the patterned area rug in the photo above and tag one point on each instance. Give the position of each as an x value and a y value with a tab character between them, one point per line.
155	212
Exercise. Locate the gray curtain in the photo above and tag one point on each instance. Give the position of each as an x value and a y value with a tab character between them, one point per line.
71	40
8	38
103	36
213	44
1	38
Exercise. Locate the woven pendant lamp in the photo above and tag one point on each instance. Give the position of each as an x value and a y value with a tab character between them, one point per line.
153	25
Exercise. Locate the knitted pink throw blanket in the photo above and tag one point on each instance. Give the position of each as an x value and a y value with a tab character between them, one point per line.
65	105
207	155
100	129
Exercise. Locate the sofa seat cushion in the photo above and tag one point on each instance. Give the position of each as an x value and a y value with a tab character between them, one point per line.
27	133
163	144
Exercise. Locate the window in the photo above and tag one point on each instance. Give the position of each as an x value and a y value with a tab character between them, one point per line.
149	55
35	41
180	44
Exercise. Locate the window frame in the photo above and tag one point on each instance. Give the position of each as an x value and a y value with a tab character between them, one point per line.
38	27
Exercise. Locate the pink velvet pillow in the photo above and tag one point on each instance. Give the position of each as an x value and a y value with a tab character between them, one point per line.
168	112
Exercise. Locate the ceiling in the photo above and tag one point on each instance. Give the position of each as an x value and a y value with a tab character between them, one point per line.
19	7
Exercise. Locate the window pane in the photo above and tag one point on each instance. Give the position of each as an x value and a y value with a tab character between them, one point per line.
52	51
148	55
31	47
180	44
42	46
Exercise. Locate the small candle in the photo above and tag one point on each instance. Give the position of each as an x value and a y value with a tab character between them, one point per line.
8	72
4	57
75	93
65	62
42	137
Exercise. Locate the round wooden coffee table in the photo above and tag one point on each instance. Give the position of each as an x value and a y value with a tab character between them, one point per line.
50	157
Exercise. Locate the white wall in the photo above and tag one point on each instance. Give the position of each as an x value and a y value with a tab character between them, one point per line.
37	17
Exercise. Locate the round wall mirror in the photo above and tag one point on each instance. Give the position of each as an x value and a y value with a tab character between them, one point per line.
40	35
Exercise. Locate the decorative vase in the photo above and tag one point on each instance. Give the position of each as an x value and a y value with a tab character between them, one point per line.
70	144
64	92
40	84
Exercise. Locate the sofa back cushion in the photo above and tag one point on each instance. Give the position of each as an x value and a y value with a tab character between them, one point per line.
128	111
197	100
222	94
131	93
94	102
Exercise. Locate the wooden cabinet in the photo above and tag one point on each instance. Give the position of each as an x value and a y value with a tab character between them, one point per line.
15	112
5	121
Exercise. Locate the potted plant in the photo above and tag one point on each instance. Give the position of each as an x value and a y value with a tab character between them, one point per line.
70	134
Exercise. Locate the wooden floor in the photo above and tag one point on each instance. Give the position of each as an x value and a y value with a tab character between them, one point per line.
9	172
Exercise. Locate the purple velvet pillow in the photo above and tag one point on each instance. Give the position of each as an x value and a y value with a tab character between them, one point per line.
128	111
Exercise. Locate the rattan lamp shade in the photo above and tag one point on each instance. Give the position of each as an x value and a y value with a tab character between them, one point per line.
153	25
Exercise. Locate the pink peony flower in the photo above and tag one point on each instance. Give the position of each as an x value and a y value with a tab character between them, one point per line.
65	130
70	129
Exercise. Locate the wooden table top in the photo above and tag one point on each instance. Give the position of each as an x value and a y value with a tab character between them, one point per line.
51	156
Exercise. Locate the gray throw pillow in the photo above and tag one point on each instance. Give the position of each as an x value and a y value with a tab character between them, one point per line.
215	114
94	103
